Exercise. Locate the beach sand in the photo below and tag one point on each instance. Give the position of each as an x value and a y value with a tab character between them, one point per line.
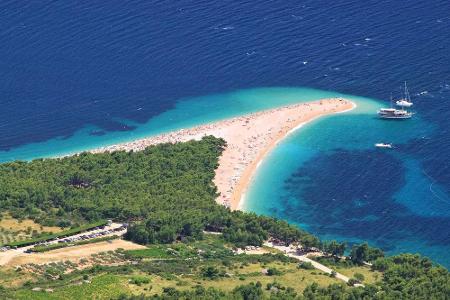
249	138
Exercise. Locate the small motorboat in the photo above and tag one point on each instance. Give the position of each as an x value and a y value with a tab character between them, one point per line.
383	145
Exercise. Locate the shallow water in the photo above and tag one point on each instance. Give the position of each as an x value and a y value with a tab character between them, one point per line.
329	178
79	75
185	113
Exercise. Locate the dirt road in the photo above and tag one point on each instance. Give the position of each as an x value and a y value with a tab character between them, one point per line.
74	253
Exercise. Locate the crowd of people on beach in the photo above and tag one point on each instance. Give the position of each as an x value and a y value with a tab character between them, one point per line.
247	137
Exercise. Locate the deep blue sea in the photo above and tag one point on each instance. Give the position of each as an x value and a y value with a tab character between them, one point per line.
80	74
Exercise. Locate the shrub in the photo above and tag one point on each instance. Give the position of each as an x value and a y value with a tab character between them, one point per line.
210	272
273	272
359	277
352	282
306	265
250	291
139	280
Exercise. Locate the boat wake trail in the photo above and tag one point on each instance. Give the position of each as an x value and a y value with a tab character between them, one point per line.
435	194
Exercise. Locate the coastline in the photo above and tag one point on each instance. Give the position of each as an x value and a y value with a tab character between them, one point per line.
239	196
249	139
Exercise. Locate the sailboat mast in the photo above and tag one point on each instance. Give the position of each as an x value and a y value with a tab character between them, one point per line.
407	97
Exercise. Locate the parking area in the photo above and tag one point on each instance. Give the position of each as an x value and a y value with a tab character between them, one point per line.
101	231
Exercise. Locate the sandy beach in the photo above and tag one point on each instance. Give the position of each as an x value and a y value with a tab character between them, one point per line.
249	138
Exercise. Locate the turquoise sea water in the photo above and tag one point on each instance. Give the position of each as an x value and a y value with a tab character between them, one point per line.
186	113
326	176
82	74
329	178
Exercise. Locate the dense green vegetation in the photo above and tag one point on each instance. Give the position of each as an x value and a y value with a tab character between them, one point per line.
359	254
167	189
411	276
119	185
363	253
166	193
405	276
239	228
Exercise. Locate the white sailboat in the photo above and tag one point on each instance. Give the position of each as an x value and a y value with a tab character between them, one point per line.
405	102
393	113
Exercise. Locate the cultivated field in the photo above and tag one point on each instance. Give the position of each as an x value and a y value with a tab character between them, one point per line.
12	230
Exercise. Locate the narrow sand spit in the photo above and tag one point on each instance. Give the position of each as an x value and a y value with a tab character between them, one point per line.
249	138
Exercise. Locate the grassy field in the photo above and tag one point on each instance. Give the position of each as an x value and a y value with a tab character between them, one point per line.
291	276
210	247
62	233
107	286
154	252
369	276
13	230
348	269
101	287
182	266
11	278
